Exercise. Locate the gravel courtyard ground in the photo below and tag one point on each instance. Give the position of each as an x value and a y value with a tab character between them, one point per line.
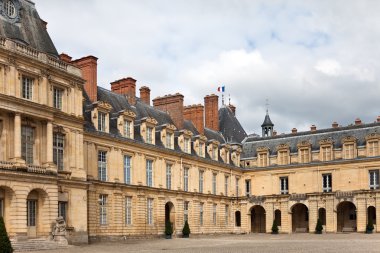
310	243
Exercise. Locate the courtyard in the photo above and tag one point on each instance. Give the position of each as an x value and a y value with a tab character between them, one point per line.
347	243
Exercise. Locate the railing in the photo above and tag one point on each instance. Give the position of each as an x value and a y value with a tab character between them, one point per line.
297	197
57	63
6	165
27	50
256	199
36	169
341	195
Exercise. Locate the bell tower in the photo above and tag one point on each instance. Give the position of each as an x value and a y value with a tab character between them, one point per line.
267	126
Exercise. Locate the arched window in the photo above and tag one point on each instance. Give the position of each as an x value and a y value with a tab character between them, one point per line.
10	9
322	215
237	219
277	217
371	214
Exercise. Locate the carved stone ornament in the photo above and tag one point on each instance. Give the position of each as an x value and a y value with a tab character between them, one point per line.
128	113
187	132
283	146
170	127
103	105
349	139
150	120
262	149
59	231
372	136
303	144
256	199
326	142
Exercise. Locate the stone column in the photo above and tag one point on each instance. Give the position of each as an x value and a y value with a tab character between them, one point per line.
49	164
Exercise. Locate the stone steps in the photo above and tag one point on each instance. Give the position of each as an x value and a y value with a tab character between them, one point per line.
36	245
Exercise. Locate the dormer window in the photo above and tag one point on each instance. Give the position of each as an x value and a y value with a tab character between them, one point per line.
101	121
149	135
128	128
263	159
169	137
283	154
325	151
200	149
349	147
373	144
186	145
10	9
184	140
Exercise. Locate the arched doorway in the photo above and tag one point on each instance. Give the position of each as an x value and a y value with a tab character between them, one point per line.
300	218
346	217
37	223
6	195
277	217
322	215
258	219
371	214
170	214
237	219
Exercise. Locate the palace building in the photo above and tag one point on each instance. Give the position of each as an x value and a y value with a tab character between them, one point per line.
116	164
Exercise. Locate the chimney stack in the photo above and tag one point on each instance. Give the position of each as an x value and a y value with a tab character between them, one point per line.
194	113
274	133
294	130
313	128
126	87
173	105
358	122
212	112
145	94
335	124
65	57
89	67
232	108
378	118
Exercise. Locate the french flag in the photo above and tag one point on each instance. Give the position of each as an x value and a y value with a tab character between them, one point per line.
221	89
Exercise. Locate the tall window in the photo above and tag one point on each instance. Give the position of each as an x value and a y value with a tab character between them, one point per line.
150	211
348	151
214	214
201	175
149	173
127	169
128	210
374	179
62	210
10	9
169	137
214	152
27	88
127	128
102	166
214	183
58	150
247	188
282	157
226	215
168	176
186	145
57	98
200	149
304	155
101	121
201	205
326	182
149	135
103	209
226	178
373	148
185	211
263	159
186	179
284	185
326	153
237	186
27	144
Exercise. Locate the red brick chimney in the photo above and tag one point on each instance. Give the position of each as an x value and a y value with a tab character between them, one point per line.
358	122
232	108
335	124
65	57
313	128
126	87
89	67
294	130
378	119
145	94
194	113
211	112
173	105
274	133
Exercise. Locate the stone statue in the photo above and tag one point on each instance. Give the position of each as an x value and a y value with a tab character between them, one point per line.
59	231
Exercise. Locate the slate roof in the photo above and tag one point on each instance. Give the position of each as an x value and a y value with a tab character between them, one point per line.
267	121
335	134
230	127
27	27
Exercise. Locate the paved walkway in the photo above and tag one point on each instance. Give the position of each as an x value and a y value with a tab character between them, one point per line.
334	243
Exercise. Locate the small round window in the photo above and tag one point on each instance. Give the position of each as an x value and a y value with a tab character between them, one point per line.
10	9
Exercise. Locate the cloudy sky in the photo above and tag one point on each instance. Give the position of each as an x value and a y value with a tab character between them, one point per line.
316	61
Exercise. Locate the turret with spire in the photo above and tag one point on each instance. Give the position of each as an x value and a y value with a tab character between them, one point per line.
267	126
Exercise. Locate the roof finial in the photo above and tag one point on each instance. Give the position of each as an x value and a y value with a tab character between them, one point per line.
267	105
229	99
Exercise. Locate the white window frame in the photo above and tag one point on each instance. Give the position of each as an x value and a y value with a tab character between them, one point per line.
27	88
185	211
128	210
32	209
127	169
226	179
284	185
57	98
186	144
326	153
373	148
127	128
27	144
373	176
200	149
186	179
103	201
247	187
214	177
237	186
150	211
102	165
102	121
58	150
149	135
169	140
327	182
169	176
201	179
149	173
